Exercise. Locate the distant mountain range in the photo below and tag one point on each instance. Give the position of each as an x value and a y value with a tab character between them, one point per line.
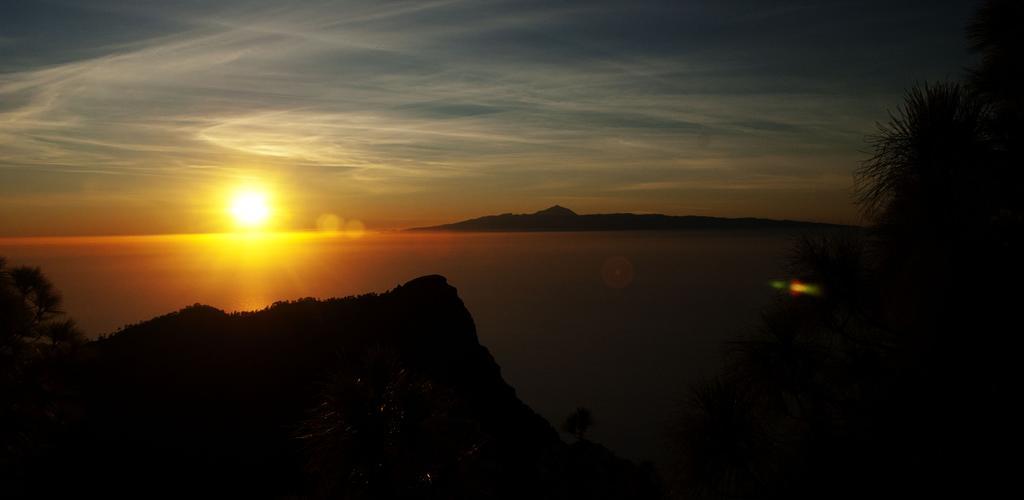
559	218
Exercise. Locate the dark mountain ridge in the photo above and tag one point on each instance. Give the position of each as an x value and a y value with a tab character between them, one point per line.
311	397
559	218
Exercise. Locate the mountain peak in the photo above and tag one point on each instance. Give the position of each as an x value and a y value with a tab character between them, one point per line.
556	210
559	218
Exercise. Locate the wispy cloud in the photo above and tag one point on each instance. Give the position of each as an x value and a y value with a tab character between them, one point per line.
383	97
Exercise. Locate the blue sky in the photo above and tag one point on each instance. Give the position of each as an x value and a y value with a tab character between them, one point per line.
132	117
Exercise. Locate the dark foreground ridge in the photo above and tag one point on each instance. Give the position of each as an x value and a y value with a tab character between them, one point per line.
377	396
559	218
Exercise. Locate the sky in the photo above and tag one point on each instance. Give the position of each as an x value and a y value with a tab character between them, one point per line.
141	117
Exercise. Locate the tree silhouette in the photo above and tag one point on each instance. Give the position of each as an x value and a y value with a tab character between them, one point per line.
897	373
994	34
722	445
36	343
931	161
578	423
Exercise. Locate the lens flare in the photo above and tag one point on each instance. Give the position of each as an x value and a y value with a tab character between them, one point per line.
796	287
329	223
617	272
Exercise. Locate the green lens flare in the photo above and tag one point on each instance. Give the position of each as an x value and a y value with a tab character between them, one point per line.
796	287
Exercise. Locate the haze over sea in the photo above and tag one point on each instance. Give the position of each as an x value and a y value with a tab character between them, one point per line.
619	322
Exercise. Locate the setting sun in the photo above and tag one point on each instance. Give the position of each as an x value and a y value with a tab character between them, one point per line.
719	248
250	209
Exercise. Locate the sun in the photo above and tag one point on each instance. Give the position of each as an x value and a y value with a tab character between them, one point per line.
250	209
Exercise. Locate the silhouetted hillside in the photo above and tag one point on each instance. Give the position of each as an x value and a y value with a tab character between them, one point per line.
558	218
377	396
